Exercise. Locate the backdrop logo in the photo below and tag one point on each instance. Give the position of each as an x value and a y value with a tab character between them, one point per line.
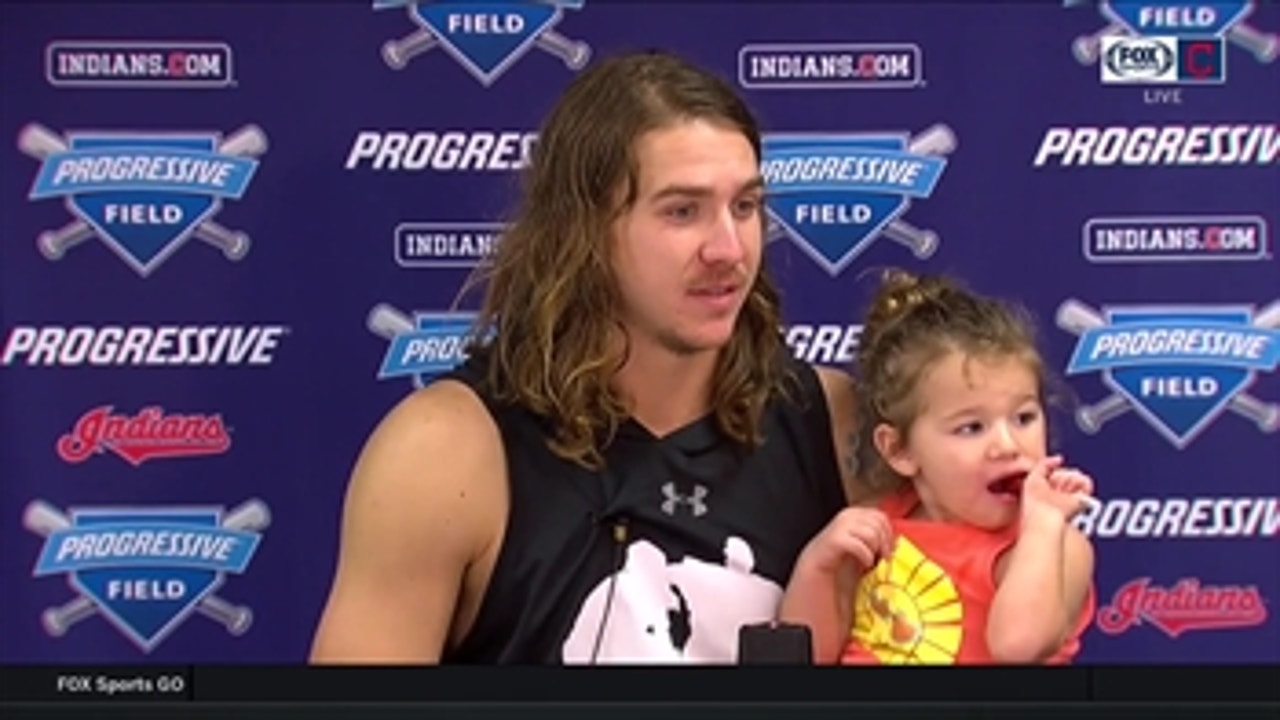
423	345
1139	60
1193	518
445	245
835	194
1183	146
824	344
1171	42
141	345
852	66
143	194
1178	366
441	151
148	435
1176	238
486	37
1188	605
138	64
146	570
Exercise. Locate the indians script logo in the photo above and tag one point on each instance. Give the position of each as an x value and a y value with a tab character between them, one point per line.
1199	29
1178	366
1187	605
834	194
143	193
485	36
422	345
150	434
146	570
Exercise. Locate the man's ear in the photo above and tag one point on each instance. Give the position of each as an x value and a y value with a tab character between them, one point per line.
892	446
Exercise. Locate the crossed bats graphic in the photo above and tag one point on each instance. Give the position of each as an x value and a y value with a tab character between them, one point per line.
44	519
1076	318
39	142
397	53
938	140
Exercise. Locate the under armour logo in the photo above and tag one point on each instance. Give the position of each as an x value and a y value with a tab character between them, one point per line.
696	501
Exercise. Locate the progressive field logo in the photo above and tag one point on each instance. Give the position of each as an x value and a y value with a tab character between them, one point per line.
1179	367
485	37
421	345
144	194
146	569
834	194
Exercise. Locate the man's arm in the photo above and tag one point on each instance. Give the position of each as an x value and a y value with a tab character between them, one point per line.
842	405
820	590
424	500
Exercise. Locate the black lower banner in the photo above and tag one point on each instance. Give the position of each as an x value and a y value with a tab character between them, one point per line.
663	711
577	685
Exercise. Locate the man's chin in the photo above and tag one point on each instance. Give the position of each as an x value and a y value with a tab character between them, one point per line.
697	343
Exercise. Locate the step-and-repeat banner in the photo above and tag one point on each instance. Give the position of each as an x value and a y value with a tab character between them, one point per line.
233	235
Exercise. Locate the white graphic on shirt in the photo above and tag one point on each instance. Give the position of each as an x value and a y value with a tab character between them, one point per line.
663	612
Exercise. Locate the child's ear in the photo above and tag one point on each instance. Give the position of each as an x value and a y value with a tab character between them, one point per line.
892	446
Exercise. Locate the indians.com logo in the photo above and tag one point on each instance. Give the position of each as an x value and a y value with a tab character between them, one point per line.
150	434
1188	605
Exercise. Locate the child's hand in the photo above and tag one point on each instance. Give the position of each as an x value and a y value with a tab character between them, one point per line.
861	534
1049	487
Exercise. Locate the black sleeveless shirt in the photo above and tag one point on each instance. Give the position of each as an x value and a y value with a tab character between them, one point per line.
664	554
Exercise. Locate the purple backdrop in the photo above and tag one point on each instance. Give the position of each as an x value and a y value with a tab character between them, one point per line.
233	236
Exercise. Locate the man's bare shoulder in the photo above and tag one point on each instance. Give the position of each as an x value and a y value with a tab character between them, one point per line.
839	392
424	504
441	403
837	385
446	411
438	442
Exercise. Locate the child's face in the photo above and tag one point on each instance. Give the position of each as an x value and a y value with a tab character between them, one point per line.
980	424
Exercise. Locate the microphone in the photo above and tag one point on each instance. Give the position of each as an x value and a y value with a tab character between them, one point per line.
775	643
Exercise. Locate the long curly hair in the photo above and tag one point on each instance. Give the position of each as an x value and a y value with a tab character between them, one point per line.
551	302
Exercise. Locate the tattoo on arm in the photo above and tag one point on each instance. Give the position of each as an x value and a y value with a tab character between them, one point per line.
855	487
851	455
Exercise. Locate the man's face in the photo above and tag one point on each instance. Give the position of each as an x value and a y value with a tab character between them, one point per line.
686	254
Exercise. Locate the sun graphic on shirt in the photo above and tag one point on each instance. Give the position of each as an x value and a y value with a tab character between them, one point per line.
907	610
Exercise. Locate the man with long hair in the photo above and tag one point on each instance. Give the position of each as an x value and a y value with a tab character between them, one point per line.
626	468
